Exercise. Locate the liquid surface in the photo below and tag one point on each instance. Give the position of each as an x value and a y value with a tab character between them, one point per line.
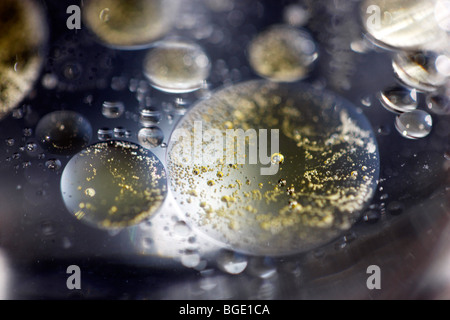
327	168
113	185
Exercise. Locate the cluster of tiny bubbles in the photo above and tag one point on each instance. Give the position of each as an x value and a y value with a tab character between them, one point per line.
177	66
23	38
113	109
151	137
399	99
283	53
125	24
113	184
415	124
63	132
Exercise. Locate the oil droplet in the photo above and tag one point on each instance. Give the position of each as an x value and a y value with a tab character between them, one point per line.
231	262
10	142
24	35
105	134
438	103
259	218
120	132
53	164
113	110
295	15
182	229
128	24
399	99
63	132
395	208
190	259
403	24
372	216
177	66
418	70
283	53
414	125
129	183
150	137
149	117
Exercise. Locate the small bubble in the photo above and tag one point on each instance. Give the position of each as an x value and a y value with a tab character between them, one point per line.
190	259
295	15
105	134
119	132
177	67
49	81
72	71
147	243
27	132
372	216
414	125
395	208
113	110
118	83
149	117
231	262
10	142
47	228
53	164
366	101
31	147
150	137
182	229
399	99
438	104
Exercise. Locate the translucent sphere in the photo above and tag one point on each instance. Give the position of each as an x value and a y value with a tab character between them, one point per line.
414	125
23	37
399	99
129	24
150	137
177	66
64	132
113	185
288	178
282	53
418	70
404	24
